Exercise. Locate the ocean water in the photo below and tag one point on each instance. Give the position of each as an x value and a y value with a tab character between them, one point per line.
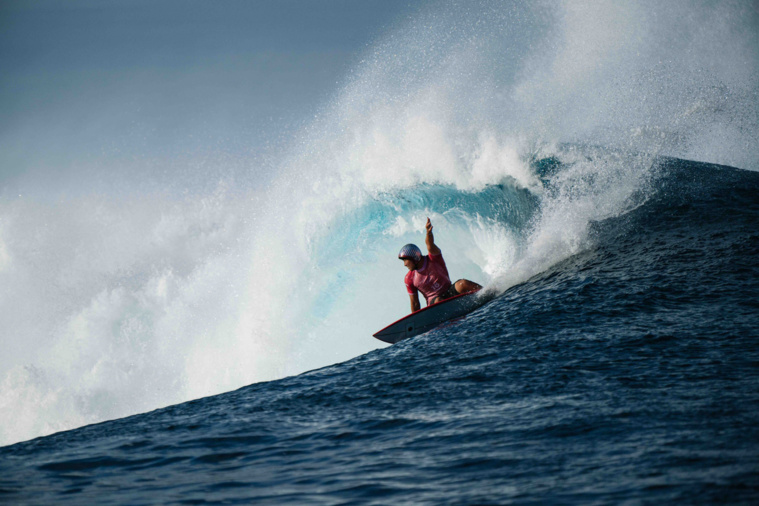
628	372
185	318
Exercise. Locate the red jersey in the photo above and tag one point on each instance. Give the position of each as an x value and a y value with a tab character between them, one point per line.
431	278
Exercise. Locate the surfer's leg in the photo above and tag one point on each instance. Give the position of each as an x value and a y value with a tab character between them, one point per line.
451	292
466	286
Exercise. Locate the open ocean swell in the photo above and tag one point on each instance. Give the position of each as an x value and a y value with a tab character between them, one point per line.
627	372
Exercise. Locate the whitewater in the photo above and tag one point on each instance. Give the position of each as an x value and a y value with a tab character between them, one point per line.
594	166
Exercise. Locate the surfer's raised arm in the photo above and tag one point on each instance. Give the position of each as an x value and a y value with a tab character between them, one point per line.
429	240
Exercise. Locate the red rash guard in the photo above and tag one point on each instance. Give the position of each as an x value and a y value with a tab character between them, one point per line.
431	278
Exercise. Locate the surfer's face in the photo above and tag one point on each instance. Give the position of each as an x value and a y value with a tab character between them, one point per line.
410	265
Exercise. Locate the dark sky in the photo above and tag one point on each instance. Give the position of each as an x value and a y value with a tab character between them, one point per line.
92	89
97	93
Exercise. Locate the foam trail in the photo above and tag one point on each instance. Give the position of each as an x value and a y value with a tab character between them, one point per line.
123	314
116	305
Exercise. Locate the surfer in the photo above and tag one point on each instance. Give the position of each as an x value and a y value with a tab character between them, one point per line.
429	275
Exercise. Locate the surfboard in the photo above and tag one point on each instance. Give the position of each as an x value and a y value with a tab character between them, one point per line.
430	317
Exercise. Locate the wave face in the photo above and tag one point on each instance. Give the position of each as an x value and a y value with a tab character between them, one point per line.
486	117
625	372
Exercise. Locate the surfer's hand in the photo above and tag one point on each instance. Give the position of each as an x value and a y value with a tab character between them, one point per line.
430	240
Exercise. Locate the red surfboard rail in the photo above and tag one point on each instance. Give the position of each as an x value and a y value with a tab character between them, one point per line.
431	316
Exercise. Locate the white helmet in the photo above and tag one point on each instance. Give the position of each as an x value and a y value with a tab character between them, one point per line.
410	251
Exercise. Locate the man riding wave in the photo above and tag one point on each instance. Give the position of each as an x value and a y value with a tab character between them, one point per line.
429	274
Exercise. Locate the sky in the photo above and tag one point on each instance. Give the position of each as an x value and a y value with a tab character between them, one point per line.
135	94
93	89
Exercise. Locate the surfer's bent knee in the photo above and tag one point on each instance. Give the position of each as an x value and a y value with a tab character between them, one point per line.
466	286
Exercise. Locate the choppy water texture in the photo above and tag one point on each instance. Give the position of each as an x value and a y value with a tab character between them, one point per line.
628	372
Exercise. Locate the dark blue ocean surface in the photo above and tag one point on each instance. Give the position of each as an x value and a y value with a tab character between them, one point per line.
627	373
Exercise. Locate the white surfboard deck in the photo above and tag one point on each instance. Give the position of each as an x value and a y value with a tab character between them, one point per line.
432	316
